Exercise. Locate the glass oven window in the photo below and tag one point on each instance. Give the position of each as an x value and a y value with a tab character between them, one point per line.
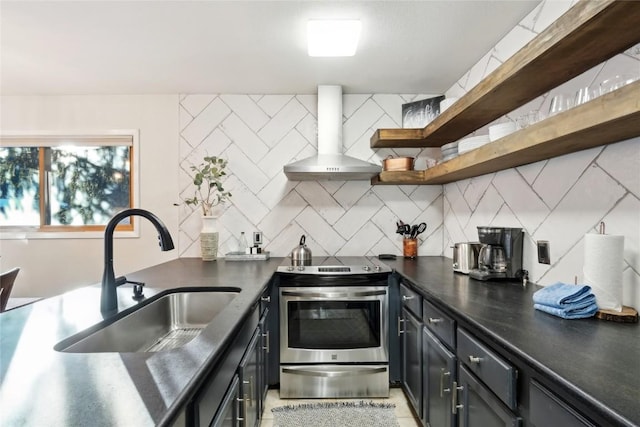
333	325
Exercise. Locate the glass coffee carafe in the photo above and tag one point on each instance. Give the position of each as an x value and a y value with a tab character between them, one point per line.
492	258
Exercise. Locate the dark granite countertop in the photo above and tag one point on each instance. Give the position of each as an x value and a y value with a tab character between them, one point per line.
40	386
598	361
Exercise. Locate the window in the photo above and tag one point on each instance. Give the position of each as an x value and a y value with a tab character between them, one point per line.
65	183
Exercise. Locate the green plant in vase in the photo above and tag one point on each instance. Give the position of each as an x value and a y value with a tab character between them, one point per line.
207	179
209	193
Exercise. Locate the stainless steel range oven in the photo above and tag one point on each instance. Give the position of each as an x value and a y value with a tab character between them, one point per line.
334	325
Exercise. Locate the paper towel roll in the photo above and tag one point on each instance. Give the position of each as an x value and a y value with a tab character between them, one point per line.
602	270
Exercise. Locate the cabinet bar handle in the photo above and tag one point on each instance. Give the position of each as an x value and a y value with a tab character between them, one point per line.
454	398
266	337
400	320
474	359
248	396
239	408
251	390
433	320
407	298
442	375
266	299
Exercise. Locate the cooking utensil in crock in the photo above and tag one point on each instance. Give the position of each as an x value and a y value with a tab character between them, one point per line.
418	229
301	254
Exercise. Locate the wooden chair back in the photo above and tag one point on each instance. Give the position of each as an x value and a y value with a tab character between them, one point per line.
6	284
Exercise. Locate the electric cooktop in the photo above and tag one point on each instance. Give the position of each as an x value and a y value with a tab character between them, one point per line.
336	266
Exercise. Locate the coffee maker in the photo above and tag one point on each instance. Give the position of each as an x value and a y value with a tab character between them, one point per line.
500	256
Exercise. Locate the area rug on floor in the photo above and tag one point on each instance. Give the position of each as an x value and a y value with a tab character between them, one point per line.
332	414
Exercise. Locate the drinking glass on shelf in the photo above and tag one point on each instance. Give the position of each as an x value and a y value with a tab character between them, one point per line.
585	94
616	82
527	119
559	103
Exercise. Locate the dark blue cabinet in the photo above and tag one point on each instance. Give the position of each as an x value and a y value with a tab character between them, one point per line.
228	415
250	393
411	371
477	406
439	373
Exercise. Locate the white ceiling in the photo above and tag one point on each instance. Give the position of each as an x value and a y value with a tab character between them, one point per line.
146	47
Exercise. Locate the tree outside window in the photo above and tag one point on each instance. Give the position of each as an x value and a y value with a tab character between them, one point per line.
57	183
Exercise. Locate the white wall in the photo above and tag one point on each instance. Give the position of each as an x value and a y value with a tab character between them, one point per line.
561	199
52	266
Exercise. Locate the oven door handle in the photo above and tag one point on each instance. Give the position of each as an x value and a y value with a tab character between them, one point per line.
355	294
333	374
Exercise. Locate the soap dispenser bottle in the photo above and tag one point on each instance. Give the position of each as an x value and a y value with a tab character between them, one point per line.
243	246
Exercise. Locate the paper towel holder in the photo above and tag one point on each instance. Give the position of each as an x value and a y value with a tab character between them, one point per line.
627	315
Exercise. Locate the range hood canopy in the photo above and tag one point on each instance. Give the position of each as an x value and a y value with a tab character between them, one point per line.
330	163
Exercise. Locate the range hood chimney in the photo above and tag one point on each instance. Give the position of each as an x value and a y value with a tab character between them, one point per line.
330	163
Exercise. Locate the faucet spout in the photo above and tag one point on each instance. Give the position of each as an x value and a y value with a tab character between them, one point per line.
108	296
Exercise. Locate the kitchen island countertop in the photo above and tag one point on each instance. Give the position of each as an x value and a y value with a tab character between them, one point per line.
42	387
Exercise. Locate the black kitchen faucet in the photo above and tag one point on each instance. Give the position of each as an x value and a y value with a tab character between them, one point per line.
108	296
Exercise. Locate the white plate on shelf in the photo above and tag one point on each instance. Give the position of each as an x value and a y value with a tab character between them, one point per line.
501	130
449	146
472	143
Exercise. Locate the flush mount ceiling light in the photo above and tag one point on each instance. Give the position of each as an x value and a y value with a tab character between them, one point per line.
327	37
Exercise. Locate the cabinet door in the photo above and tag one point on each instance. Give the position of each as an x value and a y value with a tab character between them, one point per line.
249	390
477	406
227	415
439	372
548	410
412	359
263	361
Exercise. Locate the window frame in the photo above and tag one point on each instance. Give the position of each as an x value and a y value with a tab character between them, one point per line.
84	231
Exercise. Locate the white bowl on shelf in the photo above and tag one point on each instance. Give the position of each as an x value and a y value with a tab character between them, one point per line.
449	146
501	130
472	143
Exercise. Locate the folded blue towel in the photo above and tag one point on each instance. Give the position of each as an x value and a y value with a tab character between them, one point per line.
569	313
561	295
566	301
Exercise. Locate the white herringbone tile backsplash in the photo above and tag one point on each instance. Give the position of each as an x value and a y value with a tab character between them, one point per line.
561	199
558	200
259	134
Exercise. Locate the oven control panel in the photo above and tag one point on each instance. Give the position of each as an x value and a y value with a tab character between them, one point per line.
334	269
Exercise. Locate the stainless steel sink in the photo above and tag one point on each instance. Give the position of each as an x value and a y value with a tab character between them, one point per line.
169	322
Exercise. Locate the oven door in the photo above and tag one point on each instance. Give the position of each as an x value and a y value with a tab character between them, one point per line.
334	324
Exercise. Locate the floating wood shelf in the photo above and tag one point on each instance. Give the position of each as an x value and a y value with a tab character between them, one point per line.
588	34
607	119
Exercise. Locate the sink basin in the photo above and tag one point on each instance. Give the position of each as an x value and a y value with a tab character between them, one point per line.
168	322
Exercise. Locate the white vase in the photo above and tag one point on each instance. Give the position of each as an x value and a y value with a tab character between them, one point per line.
209	238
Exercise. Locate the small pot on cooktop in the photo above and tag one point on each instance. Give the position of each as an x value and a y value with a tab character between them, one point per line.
301	254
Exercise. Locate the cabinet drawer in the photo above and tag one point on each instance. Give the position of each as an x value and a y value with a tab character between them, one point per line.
443	326
478	407
490	368
547	409
411	300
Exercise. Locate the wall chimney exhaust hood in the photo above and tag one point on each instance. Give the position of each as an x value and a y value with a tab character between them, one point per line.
330	163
